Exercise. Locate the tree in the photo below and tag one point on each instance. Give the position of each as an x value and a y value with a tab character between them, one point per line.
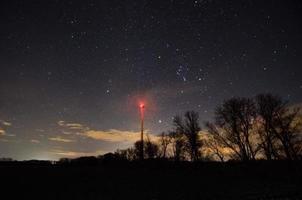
233	127
189	126
137	149
268	107
126	154
281	128
151	149
215	148
178	145
165	140
288	131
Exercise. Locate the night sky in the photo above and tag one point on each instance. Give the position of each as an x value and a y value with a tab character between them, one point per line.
73	72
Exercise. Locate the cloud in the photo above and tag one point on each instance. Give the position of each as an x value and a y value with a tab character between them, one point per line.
67	132
113	135
5	135
34	141
75	126
2	132
10	135
74	154
61	123
60	139
72	126
5	123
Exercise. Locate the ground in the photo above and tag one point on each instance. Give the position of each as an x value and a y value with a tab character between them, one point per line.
151	180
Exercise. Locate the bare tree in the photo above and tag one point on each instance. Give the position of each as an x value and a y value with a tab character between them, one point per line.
288	130
178	145
189	126
280	127
165	140
215	148
268	107
233	127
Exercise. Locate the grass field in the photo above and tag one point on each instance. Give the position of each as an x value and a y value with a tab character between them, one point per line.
151	180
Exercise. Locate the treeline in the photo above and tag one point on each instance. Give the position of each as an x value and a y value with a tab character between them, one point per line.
263	127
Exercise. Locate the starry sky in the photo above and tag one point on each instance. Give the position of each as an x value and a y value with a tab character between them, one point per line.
72	72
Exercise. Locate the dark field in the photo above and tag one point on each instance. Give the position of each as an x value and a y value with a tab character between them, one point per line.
150	180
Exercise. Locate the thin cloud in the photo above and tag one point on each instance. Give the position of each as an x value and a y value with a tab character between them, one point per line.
35	141
3	126
5	123
113	135
2	131
74	154
72	126
10	135
60	139
75	126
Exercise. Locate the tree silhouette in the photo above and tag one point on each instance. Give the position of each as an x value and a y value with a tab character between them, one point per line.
189	126
280	127
178	145
126	154
151	149
268	107
288	131
137	149
164	142
233	127
215	147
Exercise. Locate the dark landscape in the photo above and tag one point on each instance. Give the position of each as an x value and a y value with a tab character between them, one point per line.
153	180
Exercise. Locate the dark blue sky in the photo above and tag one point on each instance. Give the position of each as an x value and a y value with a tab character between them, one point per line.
72	71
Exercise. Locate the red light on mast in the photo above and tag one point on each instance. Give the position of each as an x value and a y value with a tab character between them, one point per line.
142	106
